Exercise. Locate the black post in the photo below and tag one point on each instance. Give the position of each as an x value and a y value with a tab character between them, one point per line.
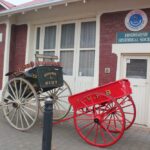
47	125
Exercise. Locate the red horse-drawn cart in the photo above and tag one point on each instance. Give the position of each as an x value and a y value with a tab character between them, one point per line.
101	115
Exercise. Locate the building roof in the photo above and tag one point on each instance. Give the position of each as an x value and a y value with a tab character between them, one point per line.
6	4
33	2
34	5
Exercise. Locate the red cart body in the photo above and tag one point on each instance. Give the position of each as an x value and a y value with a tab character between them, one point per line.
115	89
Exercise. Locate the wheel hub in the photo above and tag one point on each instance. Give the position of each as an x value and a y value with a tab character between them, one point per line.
54	98
96	120
17	104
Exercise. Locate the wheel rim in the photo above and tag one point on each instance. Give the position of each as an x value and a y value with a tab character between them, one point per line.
129	110
61	106
93	123
20	104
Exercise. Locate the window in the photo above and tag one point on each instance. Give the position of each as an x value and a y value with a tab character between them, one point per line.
67	47
88	34
87	49
66	58
67	36
50	37
73	43
46	40
136	68
86	66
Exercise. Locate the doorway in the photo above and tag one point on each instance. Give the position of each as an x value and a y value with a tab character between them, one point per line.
137	70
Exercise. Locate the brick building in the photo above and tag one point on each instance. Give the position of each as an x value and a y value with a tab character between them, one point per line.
85	35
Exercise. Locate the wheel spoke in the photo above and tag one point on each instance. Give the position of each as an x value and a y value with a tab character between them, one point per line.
116	129
17	119
126	106
102	134
16	90
118	118
109	122
27	113
9	112
21	121
24	116
24	91
91	129
115	121
128	113
29	108
20	89
61	91
87	125
13	115
60	100
61	105
63	96
123	101
57	90
96	134
9	85
108	132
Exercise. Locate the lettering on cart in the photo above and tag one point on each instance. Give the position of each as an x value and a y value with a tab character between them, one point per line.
51	83
34	76
51	75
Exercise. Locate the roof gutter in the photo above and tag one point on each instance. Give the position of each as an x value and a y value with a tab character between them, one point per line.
35	6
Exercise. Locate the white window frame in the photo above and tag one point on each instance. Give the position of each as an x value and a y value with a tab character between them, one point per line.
58	48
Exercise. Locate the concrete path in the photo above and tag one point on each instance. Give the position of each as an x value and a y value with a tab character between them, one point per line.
66	138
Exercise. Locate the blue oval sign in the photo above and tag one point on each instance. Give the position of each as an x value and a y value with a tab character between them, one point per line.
136	20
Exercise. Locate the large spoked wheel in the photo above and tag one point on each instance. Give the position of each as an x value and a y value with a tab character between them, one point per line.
94	122
59	96
20	104
129	110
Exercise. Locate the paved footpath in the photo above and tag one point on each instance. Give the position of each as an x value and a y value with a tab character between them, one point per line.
66	138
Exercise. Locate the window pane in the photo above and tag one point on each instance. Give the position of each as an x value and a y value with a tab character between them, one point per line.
66	58
37	52
50	37
38	38
67	36
86	67
88	35
136	68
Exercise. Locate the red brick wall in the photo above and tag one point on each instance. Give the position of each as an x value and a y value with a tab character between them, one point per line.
18	46
2	48
111	23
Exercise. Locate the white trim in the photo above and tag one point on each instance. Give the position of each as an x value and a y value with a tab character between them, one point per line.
28	44
35	6
6	53
120	49
97	53
4	5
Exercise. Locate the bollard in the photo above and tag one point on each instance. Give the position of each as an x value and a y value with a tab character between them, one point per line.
47	125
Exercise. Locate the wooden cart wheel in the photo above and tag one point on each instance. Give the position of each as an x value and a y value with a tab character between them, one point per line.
94	122
129	110
61	106
20	104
